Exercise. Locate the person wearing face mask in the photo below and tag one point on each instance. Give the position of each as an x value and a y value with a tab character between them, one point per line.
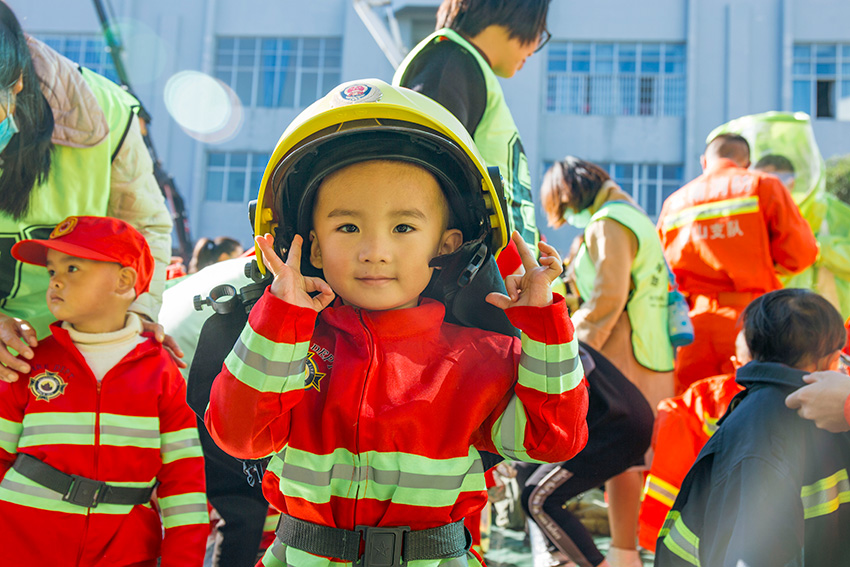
618	273
70	145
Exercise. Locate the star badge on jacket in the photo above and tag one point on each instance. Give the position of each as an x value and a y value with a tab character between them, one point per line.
47	385
313	376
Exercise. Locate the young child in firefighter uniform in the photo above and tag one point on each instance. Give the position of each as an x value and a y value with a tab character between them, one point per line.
374	408
100	421
769	488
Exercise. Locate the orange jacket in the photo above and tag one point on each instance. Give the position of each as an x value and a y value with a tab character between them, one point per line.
683	425
727	229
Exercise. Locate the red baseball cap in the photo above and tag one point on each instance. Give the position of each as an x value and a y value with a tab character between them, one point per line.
104	239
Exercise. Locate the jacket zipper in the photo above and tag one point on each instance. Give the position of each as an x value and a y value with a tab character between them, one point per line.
371	345
96	454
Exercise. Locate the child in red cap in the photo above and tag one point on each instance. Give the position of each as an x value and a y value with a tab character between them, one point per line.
100	420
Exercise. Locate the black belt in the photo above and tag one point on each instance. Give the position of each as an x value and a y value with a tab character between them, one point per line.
77	489
383	547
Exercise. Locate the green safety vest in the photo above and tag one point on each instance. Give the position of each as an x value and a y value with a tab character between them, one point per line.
496	137
647	303
78	184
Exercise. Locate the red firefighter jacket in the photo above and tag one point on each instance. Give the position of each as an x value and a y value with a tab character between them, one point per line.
683	425
727	229
133	429
396	406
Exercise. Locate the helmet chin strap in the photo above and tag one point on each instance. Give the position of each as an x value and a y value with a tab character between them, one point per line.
462	280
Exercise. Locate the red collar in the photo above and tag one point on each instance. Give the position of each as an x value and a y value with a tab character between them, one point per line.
424	319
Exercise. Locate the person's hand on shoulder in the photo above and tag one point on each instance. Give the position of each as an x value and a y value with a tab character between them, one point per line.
288	284
19	335
167	341
822	400
532	288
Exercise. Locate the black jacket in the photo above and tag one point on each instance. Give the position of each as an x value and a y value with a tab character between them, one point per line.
768	489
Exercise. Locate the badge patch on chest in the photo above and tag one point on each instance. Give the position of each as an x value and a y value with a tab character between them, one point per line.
47	385
312	377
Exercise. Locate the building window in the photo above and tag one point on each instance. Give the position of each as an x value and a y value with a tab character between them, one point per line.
279	72
616	79
88	50
648	183
234	177
821	81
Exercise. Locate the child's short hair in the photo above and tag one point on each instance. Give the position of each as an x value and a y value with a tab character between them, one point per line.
794	327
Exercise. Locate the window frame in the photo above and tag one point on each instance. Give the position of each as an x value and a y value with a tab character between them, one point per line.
242	63
587	78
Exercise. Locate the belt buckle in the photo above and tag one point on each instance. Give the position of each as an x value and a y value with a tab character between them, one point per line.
382	546
84	491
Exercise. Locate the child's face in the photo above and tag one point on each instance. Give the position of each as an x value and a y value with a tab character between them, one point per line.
81	292
377	224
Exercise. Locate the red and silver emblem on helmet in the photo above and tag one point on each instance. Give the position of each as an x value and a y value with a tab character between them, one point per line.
358	92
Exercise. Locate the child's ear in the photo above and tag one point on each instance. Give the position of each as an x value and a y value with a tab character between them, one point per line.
315	251
451	241
829	362
126	280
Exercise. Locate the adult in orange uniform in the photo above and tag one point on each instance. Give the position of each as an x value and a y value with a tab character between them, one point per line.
726	235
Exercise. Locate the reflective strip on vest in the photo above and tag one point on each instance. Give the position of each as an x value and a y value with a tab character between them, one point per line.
660	490
18	489
129	431
713	210
709	423
267	366
10	432
181	444
184	509
679	539
61	428
404	478
826	495
272	519
508	432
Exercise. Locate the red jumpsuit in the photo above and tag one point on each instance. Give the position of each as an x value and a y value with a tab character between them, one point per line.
397	406
131	429
725	234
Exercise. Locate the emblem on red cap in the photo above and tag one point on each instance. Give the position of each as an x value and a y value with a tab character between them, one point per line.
47	385
64	227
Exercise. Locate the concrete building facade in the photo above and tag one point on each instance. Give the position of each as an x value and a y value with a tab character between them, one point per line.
633	86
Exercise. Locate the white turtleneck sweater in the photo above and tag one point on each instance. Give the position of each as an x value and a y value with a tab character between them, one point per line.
102	351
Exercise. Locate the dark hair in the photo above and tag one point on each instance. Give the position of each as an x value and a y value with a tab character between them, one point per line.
208	250
26	160
571	182
524	19
732	146
778	162
795	327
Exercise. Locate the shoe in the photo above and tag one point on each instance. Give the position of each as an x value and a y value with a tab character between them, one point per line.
619	557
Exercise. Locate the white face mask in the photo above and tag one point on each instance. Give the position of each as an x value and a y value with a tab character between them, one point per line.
578	219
